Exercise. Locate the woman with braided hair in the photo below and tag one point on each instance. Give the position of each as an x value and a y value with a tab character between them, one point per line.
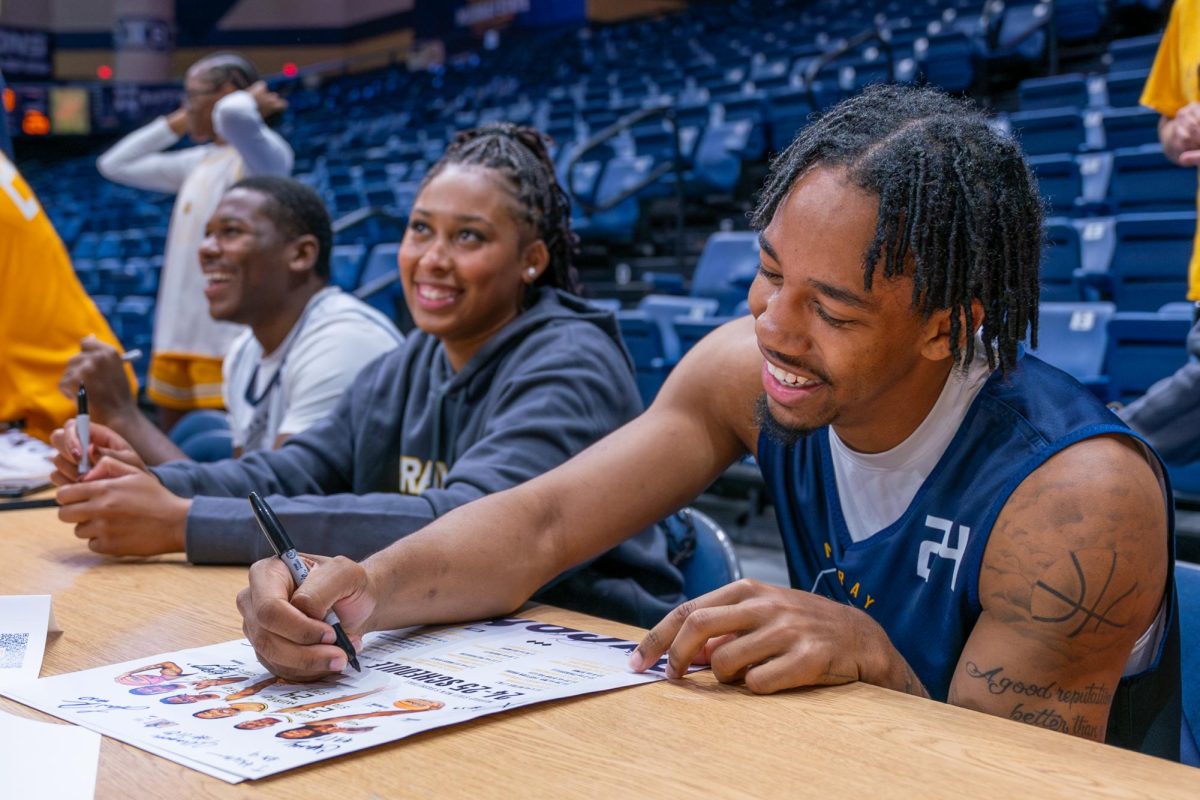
507	375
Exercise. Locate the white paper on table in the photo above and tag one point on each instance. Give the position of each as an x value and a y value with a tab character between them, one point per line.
23	457
46	759
24	621
412	681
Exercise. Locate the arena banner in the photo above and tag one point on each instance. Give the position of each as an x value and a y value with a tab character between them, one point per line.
26	54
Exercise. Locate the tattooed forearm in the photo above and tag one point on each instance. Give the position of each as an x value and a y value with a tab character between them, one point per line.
1075	710
1093	694
1051	719
1062	595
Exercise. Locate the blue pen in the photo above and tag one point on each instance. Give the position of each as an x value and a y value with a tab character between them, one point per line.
283	547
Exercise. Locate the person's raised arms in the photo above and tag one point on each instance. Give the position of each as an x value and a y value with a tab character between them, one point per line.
462	567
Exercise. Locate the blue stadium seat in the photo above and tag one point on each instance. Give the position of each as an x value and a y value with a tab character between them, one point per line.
109	246
134	321
726	268
89	276
948	60
1074	338
664	282
790	111
719	154
344	263
713	562
382	262
655	141
1095	174
1058	91
1144	180
1062	259
643	338
1020	36
1059	181
1132	54
1055	130
1097	241
753	109
1079	20
1125	88
1187	585
1130	127
665	309
86	246
1150	258
690	331
620	174
107	305
1143	348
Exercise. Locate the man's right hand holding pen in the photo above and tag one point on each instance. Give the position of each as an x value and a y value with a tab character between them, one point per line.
286	626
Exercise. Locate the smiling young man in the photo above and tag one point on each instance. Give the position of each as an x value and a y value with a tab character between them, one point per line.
960	521
265	264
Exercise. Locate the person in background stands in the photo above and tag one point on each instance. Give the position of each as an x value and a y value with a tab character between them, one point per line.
224	111
1168	415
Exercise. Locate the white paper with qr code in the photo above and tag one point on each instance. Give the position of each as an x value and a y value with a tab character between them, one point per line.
24	621
216	710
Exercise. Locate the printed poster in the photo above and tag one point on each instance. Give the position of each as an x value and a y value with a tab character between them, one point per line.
216	710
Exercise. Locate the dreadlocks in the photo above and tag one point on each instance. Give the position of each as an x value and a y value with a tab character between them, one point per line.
954	195
519	154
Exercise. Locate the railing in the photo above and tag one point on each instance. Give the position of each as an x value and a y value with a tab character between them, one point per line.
667	111
358	217
876	33
991	22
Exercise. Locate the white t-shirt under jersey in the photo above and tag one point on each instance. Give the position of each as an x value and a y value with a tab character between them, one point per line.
875	489
300	381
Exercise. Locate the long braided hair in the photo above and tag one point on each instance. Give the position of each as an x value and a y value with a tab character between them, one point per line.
519	154
958	208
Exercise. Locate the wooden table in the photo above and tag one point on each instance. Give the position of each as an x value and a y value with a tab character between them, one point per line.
690	738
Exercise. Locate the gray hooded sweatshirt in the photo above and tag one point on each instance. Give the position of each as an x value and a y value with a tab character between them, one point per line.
411	439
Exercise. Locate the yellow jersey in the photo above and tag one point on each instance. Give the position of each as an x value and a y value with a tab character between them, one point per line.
44	311
1174	82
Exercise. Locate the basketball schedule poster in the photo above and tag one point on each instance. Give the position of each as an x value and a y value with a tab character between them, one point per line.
216	710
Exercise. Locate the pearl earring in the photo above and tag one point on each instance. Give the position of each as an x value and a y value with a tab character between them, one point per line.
532	271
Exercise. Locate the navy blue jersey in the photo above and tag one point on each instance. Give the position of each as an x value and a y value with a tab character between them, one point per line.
919	577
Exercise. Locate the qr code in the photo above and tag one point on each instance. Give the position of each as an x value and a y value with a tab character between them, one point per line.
12	650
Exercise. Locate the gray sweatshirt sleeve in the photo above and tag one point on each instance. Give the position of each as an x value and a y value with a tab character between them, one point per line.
569	389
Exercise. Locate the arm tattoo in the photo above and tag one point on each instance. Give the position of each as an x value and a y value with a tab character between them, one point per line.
1063	604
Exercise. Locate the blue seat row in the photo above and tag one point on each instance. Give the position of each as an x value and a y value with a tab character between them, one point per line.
1138	261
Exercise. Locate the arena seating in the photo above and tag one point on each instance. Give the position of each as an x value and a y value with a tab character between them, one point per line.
740	80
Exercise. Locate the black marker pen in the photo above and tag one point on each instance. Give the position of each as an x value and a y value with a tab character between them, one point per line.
283	547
